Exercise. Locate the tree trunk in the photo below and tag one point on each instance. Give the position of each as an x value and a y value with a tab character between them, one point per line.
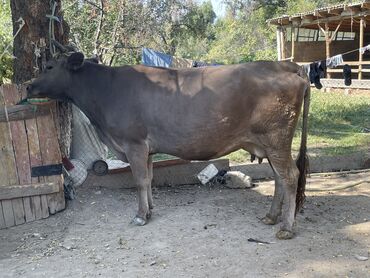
32	50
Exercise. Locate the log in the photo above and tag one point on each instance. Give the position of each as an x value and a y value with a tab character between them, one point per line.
23	112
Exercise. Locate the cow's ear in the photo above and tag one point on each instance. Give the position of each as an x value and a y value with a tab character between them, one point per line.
75	60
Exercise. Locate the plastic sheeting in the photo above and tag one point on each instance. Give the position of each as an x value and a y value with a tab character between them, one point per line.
86	145
151	57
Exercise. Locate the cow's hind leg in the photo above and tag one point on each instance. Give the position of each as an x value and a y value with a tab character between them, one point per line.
273	215
138	156
287	178
150	172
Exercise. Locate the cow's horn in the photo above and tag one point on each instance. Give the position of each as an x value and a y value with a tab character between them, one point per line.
59	46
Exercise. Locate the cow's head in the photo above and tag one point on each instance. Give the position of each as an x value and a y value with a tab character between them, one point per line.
56	78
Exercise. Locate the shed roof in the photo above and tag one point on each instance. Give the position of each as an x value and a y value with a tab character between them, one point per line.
347	14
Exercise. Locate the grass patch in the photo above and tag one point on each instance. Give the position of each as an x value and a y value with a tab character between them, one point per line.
338	124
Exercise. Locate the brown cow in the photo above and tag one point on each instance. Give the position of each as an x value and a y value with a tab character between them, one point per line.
194	114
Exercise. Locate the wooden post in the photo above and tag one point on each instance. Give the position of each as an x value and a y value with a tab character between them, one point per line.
327	43
360	56
278	42
293	44
283	43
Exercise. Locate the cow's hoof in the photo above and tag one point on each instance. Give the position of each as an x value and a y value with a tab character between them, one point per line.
267	220
283	234
138	221
148	214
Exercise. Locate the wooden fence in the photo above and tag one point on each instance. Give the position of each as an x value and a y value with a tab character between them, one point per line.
28	139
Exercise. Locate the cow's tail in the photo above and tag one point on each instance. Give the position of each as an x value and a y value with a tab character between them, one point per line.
302	160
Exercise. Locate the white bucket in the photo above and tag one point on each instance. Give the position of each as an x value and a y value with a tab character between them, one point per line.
207	173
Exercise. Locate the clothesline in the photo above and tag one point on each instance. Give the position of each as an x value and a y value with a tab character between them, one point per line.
317	70
362	50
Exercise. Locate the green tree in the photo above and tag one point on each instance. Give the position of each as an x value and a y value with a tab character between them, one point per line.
117	29
5	42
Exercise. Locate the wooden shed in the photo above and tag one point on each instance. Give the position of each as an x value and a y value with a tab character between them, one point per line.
31	182
326	32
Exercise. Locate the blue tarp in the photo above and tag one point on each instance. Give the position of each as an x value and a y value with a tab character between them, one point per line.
154	58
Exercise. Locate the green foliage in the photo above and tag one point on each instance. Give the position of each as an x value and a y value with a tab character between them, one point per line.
176	27
5	41
243	38
338	123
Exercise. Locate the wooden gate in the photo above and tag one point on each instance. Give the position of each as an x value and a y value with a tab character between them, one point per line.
28	139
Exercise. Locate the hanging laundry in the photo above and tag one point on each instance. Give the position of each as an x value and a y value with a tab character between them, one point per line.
306	68
364	49
334	61
151	57
322	68
347	74
315	75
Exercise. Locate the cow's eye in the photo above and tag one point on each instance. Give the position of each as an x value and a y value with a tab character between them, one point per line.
49	67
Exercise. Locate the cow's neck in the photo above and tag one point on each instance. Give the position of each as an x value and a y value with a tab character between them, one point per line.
90	87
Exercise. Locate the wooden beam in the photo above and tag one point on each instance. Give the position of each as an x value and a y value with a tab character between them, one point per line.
18	191
22	112
156	164
335	18
293	43
365	6
335	11
278	42
327	40
283	43
318	14
360	57
355	9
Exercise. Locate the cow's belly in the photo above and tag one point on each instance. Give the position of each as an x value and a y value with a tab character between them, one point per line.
202	143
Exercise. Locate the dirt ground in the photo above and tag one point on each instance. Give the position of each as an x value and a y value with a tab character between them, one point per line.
196	231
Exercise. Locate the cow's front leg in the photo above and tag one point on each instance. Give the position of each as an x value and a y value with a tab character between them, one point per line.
150	171
137	155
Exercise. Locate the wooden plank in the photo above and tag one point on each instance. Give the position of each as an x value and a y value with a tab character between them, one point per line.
8	213
44	206
36	207
25	190
156	164
20	146
352	70
2	221
19	137
18	210
50	154
35	160
22	112
28	209
8	173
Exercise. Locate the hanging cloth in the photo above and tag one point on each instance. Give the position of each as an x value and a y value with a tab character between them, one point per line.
364	49
347	74
315	75
322	68
334	61
306	69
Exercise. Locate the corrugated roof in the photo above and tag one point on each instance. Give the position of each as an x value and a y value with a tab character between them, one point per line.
287	19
